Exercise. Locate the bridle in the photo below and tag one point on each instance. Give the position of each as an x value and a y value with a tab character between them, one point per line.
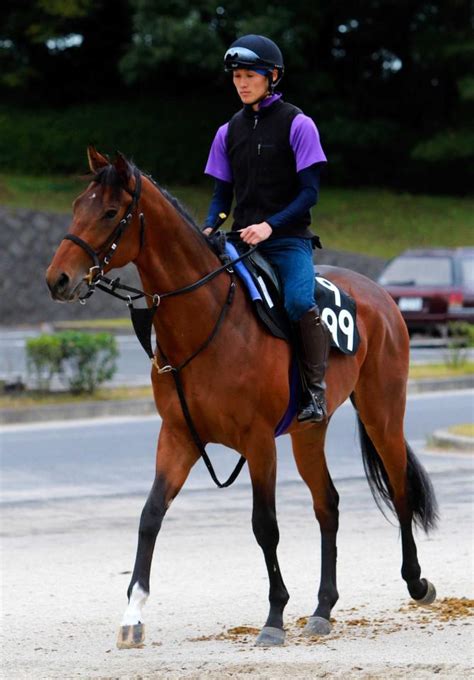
142	318
96	272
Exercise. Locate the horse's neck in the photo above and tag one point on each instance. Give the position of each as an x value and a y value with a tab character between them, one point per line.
175	255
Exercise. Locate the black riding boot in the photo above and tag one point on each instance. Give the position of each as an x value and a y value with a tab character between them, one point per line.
314	345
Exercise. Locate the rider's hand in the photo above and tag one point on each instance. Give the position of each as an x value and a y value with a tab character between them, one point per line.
256	233
207	231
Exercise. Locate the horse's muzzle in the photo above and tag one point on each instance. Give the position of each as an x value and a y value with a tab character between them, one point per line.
62	288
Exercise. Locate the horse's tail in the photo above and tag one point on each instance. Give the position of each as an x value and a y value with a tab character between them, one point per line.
421	494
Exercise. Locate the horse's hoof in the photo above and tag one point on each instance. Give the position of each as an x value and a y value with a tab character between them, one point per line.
131	636
430	596
317	626
270	637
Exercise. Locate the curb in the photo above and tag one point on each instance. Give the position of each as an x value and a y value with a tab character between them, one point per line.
84	410
465	382
144	407
447	440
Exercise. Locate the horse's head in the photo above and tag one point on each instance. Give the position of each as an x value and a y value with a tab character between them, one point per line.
104	214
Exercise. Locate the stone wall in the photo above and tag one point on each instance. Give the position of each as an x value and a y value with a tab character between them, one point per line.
28	240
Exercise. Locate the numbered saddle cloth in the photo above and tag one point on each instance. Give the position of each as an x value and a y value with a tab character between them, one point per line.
337	308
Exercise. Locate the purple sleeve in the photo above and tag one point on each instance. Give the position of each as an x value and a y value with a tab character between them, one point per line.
304	140
218	165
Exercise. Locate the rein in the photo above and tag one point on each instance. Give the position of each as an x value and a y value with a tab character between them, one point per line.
142	318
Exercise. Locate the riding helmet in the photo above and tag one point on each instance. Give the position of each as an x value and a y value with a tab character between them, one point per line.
254	52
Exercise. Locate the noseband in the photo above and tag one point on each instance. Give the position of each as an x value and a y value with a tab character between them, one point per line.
96	272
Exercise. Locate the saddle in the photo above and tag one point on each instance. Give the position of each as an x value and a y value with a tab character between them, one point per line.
338	309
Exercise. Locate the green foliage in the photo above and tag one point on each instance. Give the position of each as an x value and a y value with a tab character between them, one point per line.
160	137
460	339
448	145
65	8
44	356
83	361
164	140
466	88
61	49
89	359
389	83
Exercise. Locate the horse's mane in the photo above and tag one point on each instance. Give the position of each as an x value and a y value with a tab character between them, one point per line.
109	176
176	204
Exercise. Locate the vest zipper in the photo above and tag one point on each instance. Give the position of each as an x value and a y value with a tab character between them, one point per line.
255	121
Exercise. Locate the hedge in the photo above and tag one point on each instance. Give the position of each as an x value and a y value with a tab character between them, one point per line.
171	141
82	361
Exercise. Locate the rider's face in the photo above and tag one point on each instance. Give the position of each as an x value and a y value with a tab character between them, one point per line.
250	85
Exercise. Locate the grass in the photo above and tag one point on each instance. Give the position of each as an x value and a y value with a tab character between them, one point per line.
466	430
119	324
420	371
370	221
40	193
31	398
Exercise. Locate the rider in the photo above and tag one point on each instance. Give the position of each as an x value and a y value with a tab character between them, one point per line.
269	155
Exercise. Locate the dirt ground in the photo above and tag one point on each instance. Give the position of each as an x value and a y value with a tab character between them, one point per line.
66	566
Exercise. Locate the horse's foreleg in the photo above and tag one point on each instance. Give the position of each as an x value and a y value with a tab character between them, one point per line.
262	466
174	459
308	449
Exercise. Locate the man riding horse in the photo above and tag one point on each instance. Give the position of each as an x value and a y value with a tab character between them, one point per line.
268	156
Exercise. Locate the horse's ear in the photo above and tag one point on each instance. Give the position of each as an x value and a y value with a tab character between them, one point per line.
96	159
123	168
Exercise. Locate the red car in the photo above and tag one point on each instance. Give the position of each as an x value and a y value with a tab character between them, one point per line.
432	287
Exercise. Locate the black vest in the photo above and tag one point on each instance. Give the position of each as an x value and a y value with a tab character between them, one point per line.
264	167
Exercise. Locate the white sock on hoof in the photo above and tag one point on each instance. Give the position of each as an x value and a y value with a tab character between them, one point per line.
133	613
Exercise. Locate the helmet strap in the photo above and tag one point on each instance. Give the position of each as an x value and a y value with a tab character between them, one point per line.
270	91
271	85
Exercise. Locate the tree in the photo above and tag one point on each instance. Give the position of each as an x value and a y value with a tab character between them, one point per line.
388	79
60	51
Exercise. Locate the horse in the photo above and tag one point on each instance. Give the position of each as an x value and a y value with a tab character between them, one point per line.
236	387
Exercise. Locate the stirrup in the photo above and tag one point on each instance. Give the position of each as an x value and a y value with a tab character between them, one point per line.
314	410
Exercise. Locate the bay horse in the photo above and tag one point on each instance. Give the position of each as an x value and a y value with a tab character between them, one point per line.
237	387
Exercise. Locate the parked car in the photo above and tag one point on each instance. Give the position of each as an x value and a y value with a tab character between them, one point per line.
432	287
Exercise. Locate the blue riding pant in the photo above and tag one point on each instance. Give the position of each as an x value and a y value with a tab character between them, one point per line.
293	258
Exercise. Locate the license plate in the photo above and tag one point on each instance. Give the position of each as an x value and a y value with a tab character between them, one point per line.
410	304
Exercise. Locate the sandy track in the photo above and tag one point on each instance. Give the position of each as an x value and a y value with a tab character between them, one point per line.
65	570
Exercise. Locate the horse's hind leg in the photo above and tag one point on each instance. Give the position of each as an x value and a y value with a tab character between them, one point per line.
261	458
175	457
308	450
396	477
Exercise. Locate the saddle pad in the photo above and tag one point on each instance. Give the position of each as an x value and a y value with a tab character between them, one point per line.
337	308
339	311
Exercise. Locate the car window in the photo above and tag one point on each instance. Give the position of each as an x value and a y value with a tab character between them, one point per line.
467	271
418	271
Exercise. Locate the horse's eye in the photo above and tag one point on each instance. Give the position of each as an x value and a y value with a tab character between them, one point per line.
110	214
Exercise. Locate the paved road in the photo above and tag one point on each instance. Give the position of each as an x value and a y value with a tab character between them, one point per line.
109	457
133	364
